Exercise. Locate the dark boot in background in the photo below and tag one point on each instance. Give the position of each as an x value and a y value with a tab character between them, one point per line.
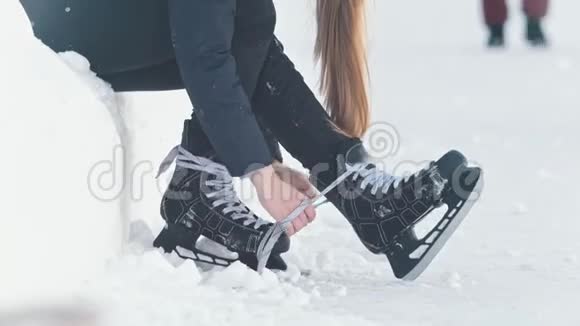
496	36
534	33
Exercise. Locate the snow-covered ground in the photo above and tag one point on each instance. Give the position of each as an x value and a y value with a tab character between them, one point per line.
514	261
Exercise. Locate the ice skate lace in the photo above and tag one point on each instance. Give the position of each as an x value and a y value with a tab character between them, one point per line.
379	180
223	192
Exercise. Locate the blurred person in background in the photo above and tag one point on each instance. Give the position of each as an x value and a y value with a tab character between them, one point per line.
496	14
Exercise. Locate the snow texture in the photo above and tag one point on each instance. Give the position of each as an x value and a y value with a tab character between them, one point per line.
514	261
54	130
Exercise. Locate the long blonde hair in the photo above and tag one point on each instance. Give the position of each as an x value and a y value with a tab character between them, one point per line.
341	51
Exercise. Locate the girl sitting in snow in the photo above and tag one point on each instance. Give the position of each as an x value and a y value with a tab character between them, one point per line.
248	98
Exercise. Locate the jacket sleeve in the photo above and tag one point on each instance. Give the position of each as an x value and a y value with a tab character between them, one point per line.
202	32
271	140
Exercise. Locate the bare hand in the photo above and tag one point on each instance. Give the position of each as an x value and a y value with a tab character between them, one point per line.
280	198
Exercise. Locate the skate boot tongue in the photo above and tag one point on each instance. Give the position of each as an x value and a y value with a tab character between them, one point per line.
357	154
360	165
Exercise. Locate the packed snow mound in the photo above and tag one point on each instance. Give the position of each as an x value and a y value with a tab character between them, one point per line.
56	134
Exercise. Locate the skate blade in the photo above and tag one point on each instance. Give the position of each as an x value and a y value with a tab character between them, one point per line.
173	239
445	229
207	261
202	257
208	254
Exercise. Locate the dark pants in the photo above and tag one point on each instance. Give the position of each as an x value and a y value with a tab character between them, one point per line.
130	44
283	103
496	11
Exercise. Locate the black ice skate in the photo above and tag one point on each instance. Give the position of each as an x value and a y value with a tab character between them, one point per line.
535	34
383	210
201	201
496	36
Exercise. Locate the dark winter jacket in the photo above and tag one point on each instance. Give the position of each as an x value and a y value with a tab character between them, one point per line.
220	46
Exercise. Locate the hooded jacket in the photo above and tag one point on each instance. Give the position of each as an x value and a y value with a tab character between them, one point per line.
219	45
